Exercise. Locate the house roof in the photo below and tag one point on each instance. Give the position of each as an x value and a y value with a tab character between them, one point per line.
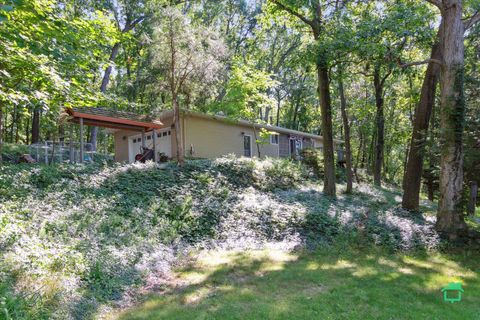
168	113
113	119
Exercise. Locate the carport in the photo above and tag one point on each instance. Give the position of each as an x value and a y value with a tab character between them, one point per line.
112	119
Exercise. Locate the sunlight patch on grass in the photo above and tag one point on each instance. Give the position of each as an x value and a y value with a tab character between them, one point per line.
365	271
194	277
387	262
202	293
391	276
340	264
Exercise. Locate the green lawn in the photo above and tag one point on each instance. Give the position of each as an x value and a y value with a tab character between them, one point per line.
327	284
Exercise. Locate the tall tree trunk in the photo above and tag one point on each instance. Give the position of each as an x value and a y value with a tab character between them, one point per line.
27	130
346	130
323	78
103	89
14	124
295	111
380	128
329	187
472	200
450	219
370	153
36	125
178	133
431	160
359	155
412	176
277	120
1	133
18	127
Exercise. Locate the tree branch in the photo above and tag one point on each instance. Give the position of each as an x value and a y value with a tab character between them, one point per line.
292	12
417	63
437	3
470	22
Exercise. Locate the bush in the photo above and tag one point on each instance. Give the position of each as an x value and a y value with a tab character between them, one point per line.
283	174
11	152
313	158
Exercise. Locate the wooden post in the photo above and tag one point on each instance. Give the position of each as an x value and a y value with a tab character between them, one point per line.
81	141
46	152
71	150
154	139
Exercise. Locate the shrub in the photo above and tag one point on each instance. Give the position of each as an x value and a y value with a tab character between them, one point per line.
313	158
282	173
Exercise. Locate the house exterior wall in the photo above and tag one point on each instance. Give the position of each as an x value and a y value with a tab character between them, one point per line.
121	145
318	143
284	145
209	138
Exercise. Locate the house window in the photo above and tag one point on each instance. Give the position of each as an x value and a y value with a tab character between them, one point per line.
159	135
247	146
165	134
134	140
274	139
149	137
169	133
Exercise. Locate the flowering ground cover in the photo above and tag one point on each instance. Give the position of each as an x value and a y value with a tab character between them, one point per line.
83	241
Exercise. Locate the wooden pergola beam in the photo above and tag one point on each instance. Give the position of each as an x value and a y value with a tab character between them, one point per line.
109	125
101	119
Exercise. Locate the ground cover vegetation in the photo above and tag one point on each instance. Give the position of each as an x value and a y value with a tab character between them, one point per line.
79	239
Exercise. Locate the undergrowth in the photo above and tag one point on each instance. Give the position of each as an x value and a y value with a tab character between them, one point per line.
77	238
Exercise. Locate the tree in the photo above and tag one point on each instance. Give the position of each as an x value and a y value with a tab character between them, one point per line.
186	54
346	131
46	60
450	219
412	178
315	20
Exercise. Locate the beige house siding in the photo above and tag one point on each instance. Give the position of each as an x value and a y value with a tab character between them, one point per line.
121	145
206	137
209	138
318	143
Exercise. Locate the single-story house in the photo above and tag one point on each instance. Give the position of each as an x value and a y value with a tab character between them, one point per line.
204	135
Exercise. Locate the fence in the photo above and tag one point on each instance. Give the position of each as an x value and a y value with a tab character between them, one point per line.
58	152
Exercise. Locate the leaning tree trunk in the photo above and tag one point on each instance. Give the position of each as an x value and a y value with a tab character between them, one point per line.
380	126
329	187
346	130
472	200
450	219
412	176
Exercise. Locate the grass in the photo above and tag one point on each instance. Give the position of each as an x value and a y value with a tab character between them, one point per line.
325	284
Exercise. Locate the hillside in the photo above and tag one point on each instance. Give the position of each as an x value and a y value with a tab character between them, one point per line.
77	240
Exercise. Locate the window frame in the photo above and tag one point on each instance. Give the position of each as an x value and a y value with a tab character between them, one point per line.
278	139
251	147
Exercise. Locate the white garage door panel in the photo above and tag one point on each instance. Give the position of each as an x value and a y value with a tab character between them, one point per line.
163	145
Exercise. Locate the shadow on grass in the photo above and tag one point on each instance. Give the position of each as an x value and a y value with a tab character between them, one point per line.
346	284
